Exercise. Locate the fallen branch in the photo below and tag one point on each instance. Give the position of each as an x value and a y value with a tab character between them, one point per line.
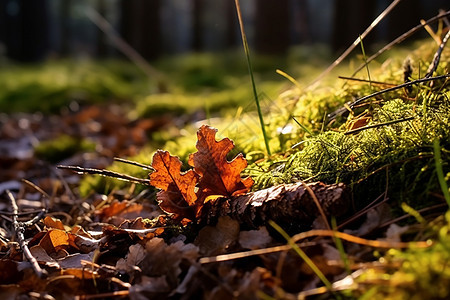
19	229
289	204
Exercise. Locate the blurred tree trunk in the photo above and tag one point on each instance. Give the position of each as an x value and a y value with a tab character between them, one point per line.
406	15
352	17
272	26
65	27
102	48
197	10
26	30
140	26
232	25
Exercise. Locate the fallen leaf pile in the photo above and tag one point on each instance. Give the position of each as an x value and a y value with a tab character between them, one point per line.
112	135
208	237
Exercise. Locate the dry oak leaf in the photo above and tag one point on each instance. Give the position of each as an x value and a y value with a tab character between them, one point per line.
177	193
218	175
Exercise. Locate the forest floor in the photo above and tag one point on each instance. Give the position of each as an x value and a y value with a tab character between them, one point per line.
350	205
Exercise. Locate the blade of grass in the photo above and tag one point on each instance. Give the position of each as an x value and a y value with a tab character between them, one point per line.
365	62
289	77
250	70
439	171
302	254
340	247
303	127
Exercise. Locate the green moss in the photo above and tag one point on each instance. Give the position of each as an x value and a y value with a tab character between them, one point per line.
62	147
49	87
397	155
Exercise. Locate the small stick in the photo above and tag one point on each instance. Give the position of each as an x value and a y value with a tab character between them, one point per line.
44	193
133	163
341	110
314	233
319	206
19	228
377	125
105	173
400	39
430	31
356	43
365	80
24	213
437	56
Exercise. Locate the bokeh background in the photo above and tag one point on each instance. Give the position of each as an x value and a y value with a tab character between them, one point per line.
36	30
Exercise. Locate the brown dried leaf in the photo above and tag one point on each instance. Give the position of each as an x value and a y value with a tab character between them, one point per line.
41	255
9	273
178	189
136	254
53	223
255	239
162	259
54	240
215	240
218	175
75	260
120	211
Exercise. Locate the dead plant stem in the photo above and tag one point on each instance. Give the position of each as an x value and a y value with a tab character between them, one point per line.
19	229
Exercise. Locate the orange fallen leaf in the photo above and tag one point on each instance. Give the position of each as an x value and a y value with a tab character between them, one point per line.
214	240
218	175
53	223
213	176
54	240
177	193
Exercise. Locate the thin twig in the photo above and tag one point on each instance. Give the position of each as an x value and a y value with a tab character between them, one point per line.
44	193
316	233
437	56
365	80
355	43
363	211
341	110
24	213
400	39
421	211
133	163
105	173
378	125
316	201
19	229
